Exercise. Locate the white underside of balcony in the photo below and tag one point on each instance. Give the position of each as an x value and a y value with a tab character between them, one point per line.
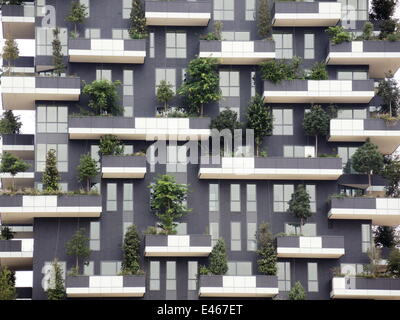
19	27
177	19
169	251
106	292
106	56
385	217
328	253
318	96
237	292
26	152
365	294
239	58
305	19
123	173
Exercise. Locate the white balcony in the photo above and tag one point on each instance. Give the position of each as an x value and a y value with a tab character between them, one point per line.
123	167
16	253
18	21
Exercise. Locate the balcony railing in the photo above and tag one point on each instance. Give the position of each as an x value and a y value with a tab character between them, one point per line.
177	245
21	145
18	21
124	167
16	254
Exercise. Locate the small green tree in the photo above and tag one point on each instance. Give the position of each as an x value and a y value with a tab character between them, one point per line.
389	91
227	119
78	247
382	9
218	259
316	123
297	292
10	52
318	72
77	15
259	118
391	172
266	250
103	97
12	164
393	264
9	123
51	176
167	202
87	169
263	19
216	34
385	236
201	85
338	34
138	28
368	160
368	31
7	284
58	57
110	145
164	93
279	70
56	290
131	251
299	205
6	233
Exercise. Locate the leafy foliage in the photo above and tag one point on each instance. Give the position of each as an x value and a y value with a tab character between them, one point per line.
78	246
77	14
138	28
216	34
103	97
338	34
316	122
167	197
266	251
7	284
9	123
299	204
6	233
227	119
165	93
10	52
87	169
297	292
264	19
391	172
368	31
12	164
389	30
110	145
385	236
51	177
131	251
259	118
218	259
279	70
56	289
59	66
382	9
201	85
318	72
389	91
393	264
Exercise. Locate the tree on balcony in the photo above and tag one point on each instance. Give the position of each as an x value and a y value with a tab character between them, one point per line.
87	169
266	250
77	15
218	259
6	233
316	123
110	145
56	288
131	252
368	160
78	246
59	66
338	34
10	52
385	236
103	97
201	85
391	172
138	27
264	19
9	123
165	93
227	119
13	165
216	34
318	72
7	284
279	70
389	91
299	205
51	176
259	118
297	292
382	9
393	265
167	202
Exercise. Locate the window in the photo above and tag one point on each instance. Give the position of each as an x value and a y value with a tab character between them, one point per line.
175	45
103	74
92	33
128	149
171	275
111	197
224	9
88	268
127	90
169	75
354	9
192	275
120	34
176	159
352	75
253	83
345	153
214	232
110	268
235	197
251	236
283	45
298	151
235	35
213	202
154	275
128	197
126	9
152	45
309	46
52	119
40	4
235	237
87	4
351	269
61	154
283	276
44	39
251	203
311	190
282	194
94	236
312	271
308	229
283	122
250	10
352	113
365	237
239	268
230	87
181	228
94	153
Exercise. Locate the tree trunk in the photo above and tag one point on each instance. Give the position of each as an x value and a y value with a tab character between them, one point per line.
316	146
76	36
87	184
301	226
369	182
390	107
257	148
13	183
201	110
165	107
77	263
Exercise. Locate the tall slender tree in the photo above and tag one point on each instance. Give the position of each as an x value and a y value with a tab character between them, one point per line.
87	169
316	123
131	251
10	52
56	290
389	91
7	284
51	176
263	19
77	14
266	250
59	66
78	246
218	259
9	123
299	205
164	93
138	27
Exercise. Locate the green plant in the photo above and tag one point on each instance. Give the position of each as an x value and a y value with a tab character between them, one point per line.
6	233
328	155
218	259
56	290
87	169
78	246
389	91
227	119
137	20
131	251
382	9
338	34
59	66
103	97
216	34
77	14
110	145
297	292
391	172
385	236
368	31
367	159
201	85
388	27
12	164
393	264
9	123
316	123
266	250
7	284
151	230
167	202
10	52
279	70
164	93
264	19
259	118
318	72
51	177
299	205
203	270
